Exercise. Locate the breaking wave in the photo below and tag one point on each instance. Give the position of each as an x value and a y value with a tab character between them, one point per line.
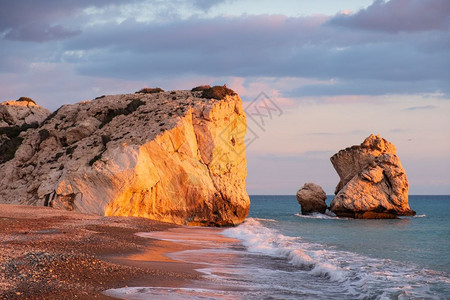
267	241
355	275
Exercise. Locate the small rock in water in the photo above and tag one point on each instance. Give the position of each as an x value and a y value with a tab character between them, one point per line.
311	198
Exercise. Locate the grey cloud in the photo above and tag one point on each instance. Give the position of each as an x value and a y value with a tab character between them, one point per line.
399	15
353	132
423	107
40	33
30	20
361	62
321	133
260	46
399	130
296	157
373	87
319	153
206	5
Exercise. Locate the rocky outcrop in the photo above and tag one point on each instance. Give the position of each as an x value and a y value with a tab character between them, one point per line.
373	183
170	156
20	112
311	198
17	117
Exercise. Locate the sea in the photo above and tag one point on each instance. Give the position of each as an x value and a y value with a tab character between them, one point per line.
277	253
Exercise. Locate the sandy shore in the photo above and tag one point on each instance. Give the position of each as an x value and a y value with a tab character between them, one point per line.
52	254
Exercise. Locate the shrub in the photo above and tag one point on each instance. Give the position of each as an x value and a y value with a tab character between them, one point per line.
97	157
150	90
63	141
112	113
9	147
43	135
217	92
201	88
105	139
133	106
10	132
70	150
14	131
26	99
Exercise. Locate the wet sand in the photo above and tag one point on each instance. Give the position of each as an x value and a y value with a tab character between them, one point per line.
48	253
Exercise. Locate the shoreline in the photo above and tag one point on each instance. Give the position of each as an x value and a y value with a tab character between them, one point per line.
49	252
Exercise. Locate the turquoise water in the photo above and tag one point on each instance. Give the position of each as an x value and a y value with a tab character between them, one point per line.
279	254
338	258
423	240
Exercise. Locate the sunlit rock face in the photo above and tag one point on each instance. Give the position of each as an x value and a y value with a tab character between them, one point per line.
373	183
169	156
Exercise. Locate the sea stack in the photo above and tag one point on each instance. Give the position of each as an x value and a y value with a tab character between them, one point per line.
373	183
311	198
176	156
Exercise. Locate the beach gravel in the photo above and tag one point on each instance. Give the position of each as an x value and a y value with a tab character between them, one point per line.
47	253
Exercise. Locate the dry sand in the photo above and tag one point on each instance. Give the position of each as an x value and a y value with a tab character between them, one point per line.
47	253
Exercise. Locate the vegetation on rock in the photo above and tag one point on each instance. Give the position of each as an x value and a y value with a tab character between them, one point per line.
26	99
201	88
97	157
8	148
112	113
150	90
10	140
217	92
43	135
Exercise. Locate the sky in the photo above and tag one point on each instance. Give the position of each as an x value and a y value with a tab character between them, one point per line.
333	72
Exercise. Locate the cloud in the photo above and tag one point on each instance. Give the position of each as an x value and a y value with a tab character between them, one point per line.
40	32
34	21
399	15
372	87
352	132
399	130
206	5
423	107
267	46
336	60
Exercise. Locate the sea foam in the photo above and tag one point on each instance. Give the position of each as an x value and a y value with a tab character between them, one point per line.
318	216
258	260
267	241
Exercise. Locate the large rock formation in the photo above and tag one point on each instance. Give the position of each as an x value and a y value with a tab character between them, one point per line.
373	182
171	156
311	198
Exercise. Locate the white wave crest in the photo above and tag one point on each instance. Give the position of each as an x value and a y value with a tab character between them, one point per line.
266	241
420	216
317	216
265	220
